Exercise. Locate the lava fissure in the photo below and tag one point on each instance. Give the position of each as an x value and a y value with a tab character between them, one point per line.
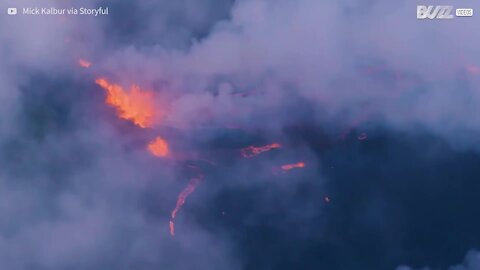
252	151
288	167
136	105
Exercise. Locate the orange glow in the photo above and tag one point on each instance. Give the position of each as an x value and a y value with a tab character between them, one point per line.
473	69
288	167
158	147
84	63
181	200
252	151
184	194
135	105
172	228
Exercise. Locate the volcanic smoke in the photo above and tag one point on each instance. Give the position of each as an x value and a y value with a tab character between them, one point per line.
138	107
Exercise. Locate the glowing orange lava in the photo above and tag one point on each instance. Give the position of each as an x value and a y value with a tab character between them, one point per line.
136	105
288	167
252	151
84	63
181	200
158	147
172	228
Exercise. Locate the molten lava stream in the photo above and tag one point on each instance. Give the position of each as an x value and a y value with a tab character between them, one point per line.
136	105
288	167
159	148
181	200
252	151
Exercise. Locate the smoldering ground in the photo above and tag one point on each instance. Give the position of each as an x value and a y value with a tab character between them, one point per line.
80	191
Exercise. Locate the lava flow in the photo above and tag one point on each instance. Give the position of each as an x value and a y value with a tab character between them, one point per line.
181	200
288	167
252	151
136	105
158	147
84	63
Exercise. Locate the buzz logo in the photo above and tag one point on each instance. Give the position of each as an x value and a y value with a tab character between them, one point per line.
434	12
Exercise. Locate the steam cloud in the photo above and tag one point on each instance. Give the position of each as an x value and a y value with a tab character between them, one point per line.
78	190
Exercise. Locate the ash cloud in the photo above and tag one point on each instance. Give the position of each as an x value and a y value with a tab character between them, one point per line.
79	191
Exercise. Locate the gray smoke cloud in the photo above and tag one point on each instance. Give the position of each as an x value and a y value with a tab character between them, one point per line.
78	189
374	60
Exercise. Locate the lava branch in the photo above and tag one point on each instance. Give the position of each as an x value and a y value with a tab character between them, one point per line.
288	167
252	151
181	200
